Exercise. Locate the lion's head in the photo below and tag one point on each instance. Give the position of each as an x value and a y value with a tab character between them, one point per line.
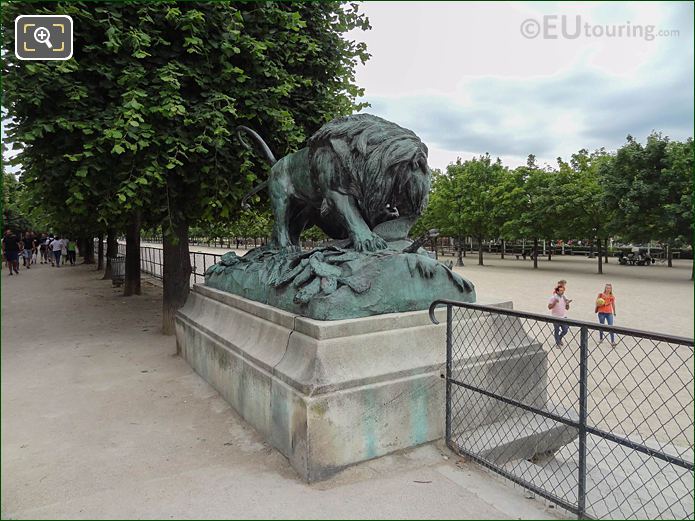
379	163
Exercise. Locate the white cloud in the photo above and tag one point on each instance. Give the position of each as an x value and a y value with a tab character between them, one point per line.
463	77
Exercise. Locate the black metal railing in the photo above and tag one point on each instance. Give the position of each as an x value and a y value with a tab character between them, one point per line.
152	262
597	419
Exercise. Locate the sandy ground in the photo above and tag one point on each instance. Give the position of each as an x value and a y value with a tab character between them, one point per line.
100	419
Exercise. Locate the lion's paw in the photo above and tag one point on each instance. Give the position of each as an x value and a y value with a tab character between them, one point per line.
370	243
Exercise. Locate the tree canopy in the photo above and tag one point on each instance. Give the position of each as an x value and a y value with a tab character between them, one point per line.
638	194
137	129
143	115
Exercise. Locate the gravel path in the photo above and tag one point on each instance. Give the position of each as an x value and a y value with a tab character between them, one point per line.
100	419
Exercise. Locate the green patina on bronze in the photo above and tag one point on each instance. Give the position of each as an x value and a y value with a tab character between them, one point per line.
364	181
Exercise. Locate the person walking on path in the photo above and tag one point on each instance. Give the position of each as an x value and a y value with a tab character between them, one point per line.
35	249
558	306
605	307
49	249
72	251
28	243
10	250
64	250
57	248
43	248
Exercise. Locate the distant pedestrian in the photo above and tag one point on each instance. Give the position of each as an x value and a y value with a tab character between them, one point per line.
49	250
35	247
558	306
10	250
43	248
72	251
56	248
28	251
64	250
605	307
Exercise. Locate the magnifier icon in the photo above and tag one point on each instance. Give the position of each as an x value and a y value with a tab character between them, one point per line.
42	35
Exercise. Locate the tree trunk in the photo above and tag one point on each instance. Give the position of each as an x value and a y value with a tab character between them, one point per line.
669	253
600	256
132	256
480	251
550	249
100	252
502	250
87	250
535	254
605	251
459	260
111	251
177	275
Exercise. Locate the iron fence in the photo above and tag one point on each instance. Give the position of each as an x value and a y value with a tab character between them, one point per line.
152	262
597	419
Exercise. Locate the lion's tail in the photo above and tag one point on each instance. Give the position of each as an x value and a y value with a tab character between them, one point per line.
259	141
266	150
244	204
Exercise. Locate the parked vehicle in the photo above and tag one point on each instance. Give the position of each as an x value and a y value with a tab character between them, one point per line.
640	258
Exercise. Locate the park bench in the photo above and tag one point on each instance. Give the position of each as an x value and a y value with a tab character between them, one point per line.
523	255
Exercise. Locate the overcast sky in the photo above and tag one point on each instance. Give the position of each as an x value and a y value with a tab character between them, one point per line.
467	81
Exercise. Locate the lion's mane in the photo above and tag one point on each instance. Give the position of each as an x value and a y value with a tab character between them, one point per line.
375	161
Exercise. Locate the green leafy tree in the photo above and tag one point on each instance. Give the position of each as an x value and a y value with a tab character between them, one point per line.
480	177
137	129
13	215
314	234
581	199
448	206
650	188
426	221
676	215
531	211
509	201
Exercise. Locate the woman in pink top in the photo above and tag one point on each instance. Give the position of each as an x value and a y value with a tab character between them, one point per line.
558	306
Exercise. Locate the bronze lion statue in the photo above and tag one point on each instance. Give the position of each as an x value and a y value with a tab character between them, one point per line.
355	173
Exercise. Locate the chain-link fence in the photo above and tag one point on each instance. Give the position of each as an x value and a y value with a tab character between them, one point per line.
597	419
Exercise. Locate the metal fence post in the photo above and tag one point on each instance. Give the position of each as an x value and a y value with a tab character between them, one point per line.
583	377
449	323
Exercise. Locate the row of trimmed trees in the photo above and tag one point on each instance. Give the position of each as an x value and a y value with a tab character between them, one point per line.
136	131
640	193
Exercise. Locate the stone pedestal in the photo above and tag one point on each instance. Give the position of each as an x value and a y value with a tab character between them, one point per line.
327	394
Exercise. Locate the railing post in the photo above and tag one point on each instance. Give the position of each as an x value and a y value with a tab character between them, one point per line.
449	323
583	380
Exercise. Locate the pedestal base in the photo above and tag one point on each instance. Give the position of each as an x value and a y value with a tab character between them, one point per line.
327	394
